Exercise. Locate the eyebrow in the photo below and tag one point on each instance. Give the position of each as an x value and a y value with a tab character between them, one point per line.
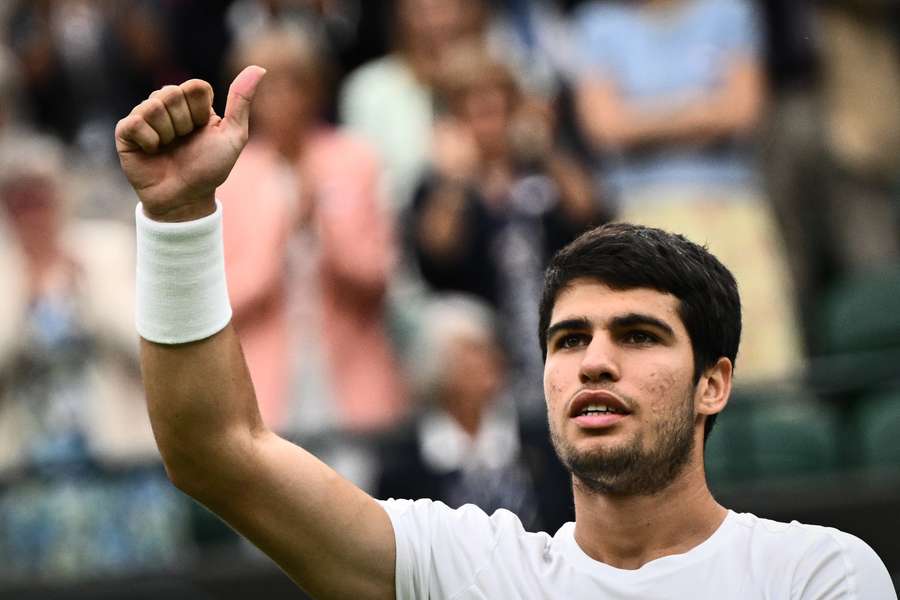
574	324
620	322
634	319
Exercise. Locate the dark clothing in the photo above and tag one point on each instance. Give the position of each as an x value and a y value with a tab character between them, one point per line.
535	486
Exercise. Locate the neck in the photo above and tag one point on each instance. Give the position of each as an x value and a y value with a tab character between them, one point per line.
466	413
628	532
41	254
423	64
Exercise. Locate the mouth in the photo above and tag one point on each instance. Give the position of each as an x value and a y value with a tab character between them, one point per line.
597	409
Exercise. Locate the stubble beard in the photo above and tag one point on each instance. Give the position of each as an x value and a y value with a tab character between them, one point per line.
629	469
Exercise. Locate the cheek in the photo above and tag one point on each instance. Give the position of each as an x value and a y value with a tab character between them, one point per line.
659	388
553	382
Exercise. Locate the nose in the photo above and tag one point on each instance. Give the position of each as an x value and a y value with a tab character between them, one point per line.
599	362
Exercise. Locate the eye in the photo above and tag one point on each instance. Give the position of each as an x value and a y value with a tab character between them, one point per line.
640	338
572	340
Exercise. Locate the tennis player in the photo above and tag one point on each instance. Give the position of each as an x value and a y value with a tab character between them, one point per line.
640	330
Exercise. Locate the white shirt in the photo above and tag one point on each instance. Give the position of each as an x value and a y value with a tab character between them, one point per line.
465	554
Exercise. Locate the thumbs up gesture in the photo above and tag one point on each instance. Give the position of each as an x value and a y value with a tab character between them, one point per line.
175	151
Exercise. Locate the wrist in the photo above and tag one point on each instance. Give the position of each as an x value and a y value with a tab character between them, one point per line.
189	211
182	295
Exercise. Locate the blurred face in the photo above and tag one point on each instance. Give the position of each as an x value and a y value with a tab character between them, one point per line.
473	373
486	110
618	382
285	106
432	23
32	208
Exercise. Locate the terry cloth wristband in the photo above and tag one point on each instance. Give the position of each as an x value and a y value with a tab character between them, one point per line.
181	291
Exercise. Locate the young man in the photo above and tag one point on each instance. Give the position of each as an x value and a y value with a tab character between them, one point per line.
640	329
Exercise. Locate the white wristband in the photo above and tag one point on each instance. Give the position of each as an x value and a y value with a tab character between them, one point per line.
181	291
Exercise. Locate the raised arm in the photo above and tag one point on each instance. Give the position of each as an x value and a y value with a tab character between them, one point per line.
329	536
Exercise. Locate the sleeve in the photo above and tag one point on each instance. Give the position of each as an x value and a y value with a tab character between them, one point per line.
440	550
843	567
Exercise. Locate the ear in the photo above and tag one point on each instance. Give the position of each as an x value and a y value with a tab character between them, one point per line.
714	388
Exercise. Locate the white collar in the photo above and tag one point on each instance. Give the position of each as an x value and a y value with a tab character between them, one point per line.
446	447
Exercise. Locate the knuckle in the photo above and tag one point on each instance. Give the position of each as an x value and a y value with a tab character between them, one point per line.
196	89
127	126
152	108
171	95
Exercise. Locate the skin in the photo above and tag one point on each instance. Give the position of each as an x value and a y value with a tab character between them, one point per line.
329	536
474	377
32	207
650	369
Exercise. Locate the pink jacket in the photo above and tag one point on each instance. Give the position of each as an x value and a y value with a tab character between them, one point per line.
344	284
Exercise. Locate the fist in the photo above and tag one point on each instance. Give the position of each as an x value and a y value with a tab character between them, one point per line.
175	151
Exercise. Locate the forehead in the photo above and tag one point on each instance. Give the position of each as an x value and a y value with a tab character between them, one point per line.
598	303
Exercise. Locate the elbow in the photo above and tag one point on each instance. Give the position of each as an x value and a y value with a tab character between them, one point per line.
178	470
187	470
178	478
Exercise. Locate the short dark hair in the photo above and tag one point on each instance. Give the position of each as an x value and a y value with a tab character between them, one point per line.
625	256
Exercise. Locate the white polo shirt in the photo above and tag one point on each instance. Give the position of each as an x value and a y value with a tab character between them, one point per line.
463	554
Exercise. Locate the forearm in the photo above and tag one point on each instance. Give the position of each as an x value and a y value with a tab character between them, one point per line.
733	109
200	397
201	401
202	409
698	122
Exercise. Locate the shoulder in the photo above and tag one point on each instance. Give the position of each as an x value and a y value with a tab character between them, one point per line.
465	520
378	72
816	558
441	551
597	19
468	533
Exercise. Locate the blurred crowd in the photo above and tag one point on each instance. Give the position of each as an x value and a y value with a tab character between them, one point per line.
412	166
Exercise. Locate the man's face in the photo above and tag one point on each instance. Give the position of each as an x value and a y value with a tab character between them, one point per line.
618	381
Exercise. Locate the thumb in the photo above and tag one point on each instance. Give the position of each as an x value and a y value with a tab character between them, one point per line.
240	95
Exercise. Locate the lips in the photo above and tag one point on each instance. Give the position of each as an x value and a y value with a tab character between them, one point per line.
597	398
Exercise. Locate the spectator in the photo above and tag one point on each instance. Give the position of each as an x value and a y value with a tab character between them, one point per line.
861	84
792	149
70	398
499	200
305	197
389	100
833	139
351	30
670	95
467	444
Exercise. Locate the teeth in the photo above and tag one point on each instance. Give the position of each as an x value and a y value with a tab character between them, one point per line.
598	409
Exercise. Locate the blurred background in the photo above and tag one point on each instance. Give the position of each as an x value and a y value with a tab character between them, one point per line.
412	166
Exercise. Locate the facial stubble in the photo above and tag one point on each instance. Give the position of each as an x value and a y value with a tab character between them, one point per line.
630	469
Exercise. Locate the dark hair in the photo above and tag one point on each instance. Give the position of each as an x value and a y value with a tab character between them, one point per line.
624	256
